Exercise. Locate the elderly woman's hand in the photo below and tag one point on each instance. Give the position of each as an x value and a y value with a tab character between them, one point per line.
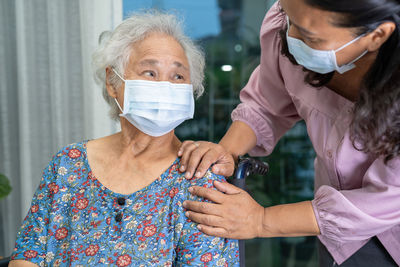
234	213
197	157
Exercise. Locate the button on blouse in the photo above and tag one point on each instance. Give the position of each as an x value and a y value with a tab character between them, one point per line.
121	201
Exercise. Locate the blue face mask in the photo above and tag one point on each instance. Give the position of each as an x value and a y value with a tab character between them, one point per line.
156	108
320	61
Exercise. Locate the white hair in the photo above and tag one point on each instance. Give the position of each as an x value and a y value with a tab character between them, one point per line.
115	49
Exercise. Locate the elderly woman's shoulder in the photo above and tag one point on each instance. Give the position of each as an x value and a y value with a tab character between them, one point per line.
207	180
75	151
70	158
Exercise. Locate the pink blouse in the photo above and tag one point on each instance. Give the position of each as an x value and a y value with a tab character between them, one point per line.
357	196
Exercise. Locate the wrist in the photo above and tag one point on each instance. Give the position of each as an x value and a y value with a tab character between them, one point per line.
239	139
264	229
262	226
229	151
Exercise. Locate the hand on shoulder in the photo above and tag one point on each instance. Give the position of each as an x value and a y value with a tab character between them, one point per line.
197	157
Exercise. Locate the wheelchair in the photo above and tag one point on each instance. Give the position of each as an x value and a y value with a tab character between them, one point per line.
246	167
4	262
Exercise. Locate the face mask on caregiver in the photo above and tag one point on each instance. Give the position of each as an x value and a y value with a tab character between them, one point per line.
320	61
156	108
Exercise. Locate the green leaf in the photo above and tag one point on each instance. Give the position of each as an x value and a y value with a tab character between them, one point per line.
5	187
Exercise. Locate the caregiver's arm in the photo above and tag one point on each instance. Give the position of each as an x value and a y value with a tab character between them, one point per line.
239	139
222	218
266	111
296	219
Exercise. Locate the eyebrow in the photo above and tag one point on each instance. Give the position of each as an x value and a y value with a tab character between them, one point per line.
307	32
147	62
180	65
154	62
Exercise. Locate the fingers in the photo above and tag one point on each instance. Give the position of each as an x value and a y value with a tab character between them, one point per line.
235	215
208	159
184	152
184	146
213	231
202	207
208	193
195	158
209	220
224	169
227	188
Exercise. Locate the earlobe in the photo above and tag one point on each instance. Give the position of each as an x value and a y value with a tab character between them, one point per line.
380	35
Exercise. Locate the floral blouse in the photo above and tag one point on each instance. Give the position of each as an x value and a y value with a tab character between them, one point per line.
75	220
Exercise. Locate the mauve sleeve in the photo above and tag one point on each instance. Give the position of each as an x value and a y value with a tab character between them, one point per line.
265	104
358	214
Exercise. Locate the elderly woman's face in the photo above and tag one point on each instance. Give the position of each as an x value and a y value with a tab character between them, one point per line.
158	57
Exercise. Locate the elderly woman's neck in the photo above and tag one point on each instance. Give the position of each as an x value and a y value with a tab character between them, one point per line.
137	144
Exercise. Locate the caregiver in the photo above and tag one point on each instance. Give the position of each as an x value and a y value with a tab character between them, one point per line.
336	65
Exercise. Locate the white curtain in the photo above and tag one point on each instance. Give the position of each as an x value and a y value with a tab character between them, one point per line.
48	98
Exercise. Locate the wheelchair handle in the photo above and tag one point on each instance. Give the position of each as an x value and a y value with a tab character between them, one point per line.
249	166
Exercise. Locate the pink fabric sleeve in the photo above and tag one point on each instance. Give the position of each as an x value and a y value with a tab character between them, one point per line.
358	214
265	104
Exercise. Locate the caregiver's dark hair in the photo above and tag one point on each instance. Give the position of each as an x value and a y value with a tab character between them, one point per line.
375	127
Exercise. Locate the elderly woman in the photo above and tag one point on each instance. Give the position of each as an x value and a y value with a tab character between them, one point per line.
118	199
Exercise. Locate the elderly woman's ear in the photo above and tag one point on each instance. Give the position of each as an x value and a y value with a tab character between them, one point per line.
112	91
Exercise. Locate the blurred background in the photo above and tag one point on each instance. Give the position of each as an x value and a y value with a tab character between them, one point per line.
48	99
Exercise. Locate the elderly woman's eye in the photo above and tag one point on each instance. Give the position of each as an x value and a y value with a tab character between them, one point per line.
179	77
149	73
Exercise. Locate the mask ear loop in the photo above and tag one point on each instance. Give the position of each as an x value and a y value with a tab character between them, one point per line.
360	56
357	58
117	74
349	43
115	99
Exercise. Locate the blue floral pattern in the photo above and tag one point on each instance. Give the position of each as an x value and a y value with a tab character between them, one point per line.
74	220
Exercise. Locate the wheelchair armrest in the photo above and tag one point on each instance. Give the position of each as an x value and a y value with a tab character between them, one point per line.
4	261
246	167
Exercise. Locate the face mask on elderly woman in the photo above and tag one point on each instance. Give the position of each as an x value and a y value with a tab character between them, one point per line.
156	108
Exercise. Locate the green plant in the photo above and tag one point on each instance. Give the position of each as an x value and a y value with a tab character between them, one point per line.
5	187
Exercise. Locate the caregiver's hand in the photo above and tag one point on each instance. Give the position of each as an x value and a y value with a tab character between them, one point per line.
197	157
232	215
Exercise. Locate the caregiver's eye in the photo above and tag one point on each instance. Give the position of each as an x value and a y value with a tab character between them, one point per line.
313	40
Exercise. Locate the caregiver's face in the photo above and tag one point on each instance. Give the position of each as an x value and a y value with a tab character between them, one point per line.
158	57
317	29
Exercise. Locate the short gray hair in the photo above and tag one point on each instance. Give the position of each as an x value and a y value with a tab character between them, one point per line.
115	49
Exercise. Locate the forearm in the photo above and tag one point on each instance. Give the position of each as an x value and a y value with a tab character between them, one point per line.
289	220
239	139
